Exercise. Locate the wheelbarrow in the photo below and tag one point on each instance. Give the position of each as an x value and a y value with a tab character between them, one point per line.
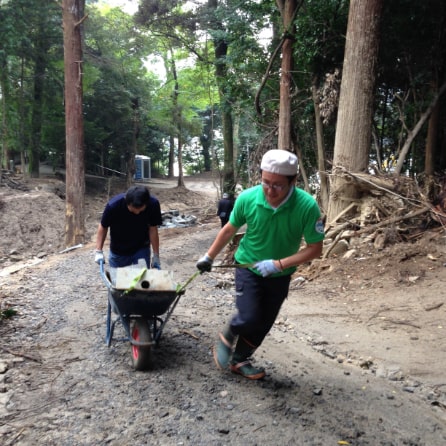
137	298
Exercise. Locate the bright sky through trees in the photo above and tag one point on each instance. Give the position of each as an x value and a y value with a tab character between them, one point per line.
128	6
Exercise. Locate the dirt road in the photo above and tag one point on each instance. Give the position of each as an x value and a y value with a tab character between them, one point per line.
62	386
356	357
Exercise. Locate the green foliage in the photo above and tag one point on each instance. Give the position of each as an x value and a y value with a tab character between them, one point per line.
7	313
27	55
318	49
122	89
320	36
118	89
411	67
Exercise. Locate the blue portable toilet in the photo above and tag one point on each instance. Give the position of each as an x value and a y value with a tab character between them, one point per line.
143	168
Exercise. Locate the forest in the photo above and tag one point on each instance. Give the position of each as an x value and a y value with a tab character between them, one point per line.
349	86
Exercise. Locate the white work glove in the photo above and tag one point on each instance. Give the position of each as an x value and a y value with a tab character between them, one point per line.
266	268
99	256
156	263
205	264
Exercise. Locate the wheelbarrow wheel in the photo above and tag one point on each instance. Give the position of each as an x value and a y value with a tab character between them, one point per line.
141	355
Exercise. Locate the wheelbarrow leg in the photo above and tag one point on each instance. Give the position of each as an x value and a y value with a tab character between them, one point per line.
157	331
109	328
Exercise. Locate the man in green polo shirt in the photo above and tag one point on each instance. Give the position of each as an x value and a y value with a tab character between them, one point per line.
278	216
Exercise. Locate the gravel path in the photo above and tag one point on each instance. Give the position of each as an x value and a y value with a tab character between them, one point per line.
61	385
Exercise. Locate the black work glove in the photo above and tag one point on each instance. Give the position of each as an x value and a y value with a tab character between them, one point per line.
205	264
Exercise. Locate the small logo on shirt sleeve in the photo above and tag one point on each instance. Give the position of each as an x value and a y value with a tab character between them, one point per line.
319	226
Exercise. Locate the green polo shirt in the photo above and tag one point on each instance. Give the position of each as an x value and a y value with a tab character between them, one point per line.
275	233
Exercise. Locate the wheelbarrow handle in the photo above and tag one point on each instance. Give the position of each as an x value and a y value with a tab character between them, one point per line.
182	288
235	265
103	275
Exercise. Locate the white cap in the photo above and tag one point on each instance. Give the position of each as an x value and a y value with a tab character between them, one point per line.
280	162
225	195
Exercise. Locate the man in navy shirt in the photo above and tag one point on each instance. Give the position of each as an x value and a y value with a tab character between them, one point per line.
133	218
225	206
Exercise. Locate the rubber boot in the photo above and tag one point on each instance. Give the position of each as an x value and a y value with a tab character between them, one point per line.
223	348
240	363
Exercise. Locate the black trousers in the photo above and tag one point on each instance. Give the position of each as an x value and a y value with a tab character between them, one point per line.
258	300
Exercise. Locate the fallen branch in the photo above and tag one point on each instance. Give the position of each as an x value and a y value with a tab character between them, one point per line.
332	245
337	229
372	228
347	209
395	321
190	334
9	182
16	437
379	183
391	221
434	307
71	248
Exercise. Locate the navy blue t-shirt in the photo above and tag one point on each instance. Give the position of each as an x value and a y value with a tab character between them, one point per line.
129	232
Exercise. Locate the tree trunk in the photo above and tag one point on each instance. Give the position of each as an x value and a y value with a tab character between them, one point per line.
171	172
131	169
177	119
206	138
287	9
228	143
354	124
73	11
22	134
221	51
302	170
431	142
180	182
4	86
323	177
236	149
432	160
37	105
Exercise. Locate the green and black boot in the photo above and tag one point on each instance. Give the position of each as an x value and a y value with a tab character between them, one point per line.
240	363
223	348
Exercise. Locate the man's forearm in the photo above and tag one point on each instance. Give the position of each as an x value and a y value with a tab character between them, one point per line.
223	238
306	254
100	237
154	239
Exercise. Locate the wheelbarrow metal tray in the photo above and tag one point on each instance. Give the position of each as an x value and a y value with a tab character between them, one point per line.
146	295
144	303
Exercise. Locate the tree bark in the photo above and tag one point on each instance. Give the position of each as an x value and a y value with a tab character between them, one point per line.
171	172
221	51
354	124
73	11
180	182
431	142
40	64
323	177
4	86
288	10
177	119
130	168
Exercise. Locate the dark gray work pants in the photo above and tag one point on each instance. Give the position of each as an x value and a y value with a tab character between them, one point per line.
258	300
